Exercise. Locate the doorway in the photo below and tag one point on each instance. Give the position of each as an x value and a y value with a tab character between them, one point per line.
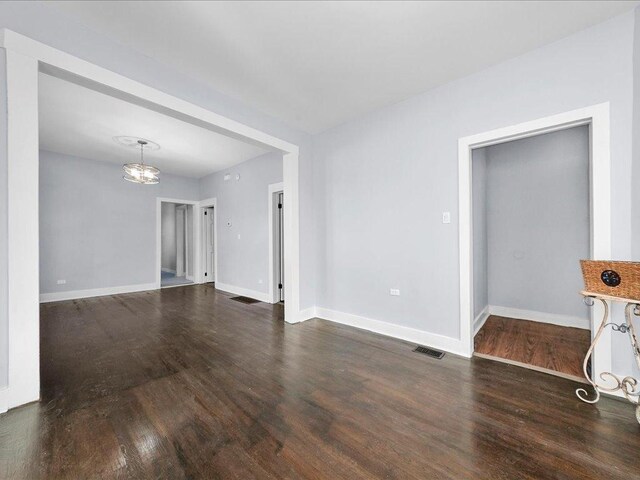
276	243
207	214
597	119
176	244
531	228
25	59
280	247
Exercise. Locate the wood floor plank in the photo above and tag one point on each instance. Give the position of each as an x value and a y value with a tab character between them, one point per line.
185	383
550	347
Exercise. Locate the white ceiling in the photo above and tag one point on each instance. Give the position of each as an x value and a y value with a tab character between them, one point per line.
75	120
317	64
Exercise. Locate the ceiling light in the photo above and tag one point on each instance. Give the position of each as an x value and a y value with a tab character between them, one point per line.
139	172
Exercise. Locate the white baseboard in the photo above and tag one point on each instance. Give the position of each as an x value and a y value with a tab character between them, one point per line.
420	337
478	322
552	318
95	292
306	314
245	292
168	270
4	399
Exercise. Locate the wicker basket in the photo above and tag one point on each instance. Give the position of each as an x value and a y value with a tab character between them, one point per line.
615	279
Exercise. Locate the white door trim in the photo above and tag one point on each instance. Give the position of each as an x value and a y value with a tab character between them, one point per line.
597	117
25	58
273	189
201	254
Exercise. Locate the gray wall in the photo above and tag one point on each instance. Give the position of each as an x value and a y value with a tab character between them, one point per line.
480	256
4	332
537	214
384	179
169	236
244	262
97	230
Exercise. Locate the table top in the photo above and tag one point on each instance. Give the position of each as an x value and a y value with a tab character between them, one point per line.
610	297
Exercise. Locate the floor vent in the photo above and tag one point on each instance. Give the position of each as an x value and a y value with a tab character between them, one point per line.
246	300
429	351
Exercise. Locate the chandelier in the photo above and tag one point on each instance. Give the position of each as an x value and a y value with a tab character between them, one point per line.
139	172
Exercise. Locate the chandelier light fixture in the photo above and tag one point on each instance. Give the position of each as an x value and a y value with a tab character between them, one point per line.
139	172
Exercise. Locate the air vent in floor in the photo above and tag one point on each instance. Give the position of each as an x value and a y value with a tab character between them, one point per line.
246	300
429	351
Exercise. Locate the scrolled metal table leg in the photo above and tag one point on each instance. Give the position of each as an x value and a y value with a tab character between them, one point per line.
581	393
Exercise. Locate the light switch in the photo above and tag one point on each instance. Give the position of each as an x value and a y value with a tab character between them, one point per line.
446	217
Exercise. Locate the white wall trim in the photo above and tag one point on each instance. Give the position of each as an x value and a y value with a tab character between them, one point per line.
597	117
25	58
245	292
23	268
307	314
480	319
201	254
95	292
420	337
542	317
273	189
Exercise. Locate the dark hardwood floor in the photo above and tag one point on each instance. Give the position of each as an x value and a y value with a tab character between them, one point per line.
549	348
185	383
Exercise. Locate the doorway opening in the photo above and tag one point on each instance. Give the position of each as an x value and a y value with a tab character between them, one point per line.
26	59
276	243
208	240
531	228
555	279
176	244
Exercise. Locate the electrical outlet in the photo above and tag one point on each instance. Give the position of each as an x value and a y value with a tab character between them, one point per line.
61	282
260	281
446	217
238	236
395	292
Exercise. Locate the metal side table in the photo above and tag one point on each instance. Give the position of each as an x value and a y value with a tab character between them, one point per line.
628	385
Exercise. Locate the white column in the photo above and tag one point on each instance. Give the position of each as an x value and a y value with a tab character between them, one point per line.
23	247
291	238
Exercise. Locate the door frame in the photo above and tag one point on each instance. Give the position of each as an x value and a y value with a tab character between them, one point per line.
159	202
597	117
201	254
274	189
25	59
